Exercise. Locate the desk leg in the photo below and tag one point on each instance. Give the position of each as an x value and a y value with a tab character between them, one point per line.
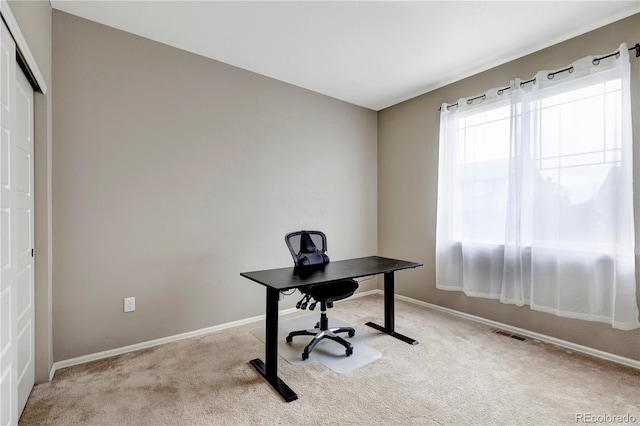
389	312
269	369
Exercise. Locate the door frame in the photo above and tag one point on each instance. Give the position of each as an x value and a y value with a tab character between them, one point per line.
33	72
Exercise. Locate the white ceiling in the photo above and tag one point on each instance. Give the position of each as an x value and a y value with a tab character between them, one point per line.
370	53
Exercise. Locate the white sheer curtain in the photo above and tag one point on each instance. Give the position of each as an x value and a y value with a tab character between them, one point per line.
535	197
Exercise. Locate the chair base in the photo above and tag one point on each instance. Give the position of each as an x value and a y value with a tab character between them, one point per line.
322	331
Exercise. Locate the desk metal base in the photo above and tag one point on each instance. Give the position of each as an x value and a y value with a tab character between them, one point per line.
392	333
285	391
269	369
389	312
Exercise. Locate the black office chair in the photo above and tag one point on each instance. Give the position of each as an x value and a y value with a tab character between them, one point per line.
303	246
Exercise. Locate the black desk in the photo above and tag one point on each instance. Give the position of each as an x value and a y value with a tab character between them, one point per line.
276	280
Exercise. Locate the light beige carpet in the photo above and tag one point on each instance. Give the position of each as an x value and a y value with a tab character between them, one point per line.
461	373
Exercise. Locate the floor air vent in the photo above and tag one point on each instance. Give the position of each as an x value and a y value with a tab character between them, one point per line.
506	333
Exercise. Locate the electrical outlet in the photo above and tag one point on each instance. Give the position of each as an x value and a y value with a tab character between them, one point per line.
129	304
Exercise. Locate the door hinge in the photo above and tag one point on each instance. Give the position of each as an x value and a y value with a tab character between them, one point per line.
31	252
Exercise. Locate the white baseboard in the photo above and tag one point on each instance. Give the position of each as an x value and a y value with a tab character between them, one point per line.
148	344
544	338
531	334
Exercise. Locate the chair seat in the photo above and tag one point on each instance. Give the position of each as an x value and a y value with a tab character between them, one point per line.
332	292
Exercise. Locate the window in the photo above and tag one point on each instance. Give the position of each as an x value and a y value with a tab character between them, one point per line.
482	179
535	193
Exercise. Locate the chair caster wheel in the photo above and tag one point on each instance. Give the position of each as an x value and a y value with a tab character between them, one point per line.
352	333
349	352
305	355
289	339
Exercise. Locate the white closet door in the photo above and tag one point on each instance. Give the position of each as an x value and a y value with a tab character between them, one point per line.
16	235
24	238
8	247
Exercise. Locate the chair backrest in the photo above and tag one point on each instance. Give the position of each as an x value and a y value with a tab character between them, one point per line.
307	247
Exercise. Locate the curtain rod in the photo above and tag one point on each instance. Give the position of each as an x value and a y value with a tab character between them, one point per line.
550	76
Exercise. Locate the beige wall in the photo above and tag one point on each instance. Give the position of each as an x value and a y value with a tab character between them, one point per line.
34	20
173	173
407	180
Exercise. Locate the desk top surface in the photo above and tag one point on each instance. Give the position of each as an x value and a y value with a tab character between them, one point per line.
293	277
